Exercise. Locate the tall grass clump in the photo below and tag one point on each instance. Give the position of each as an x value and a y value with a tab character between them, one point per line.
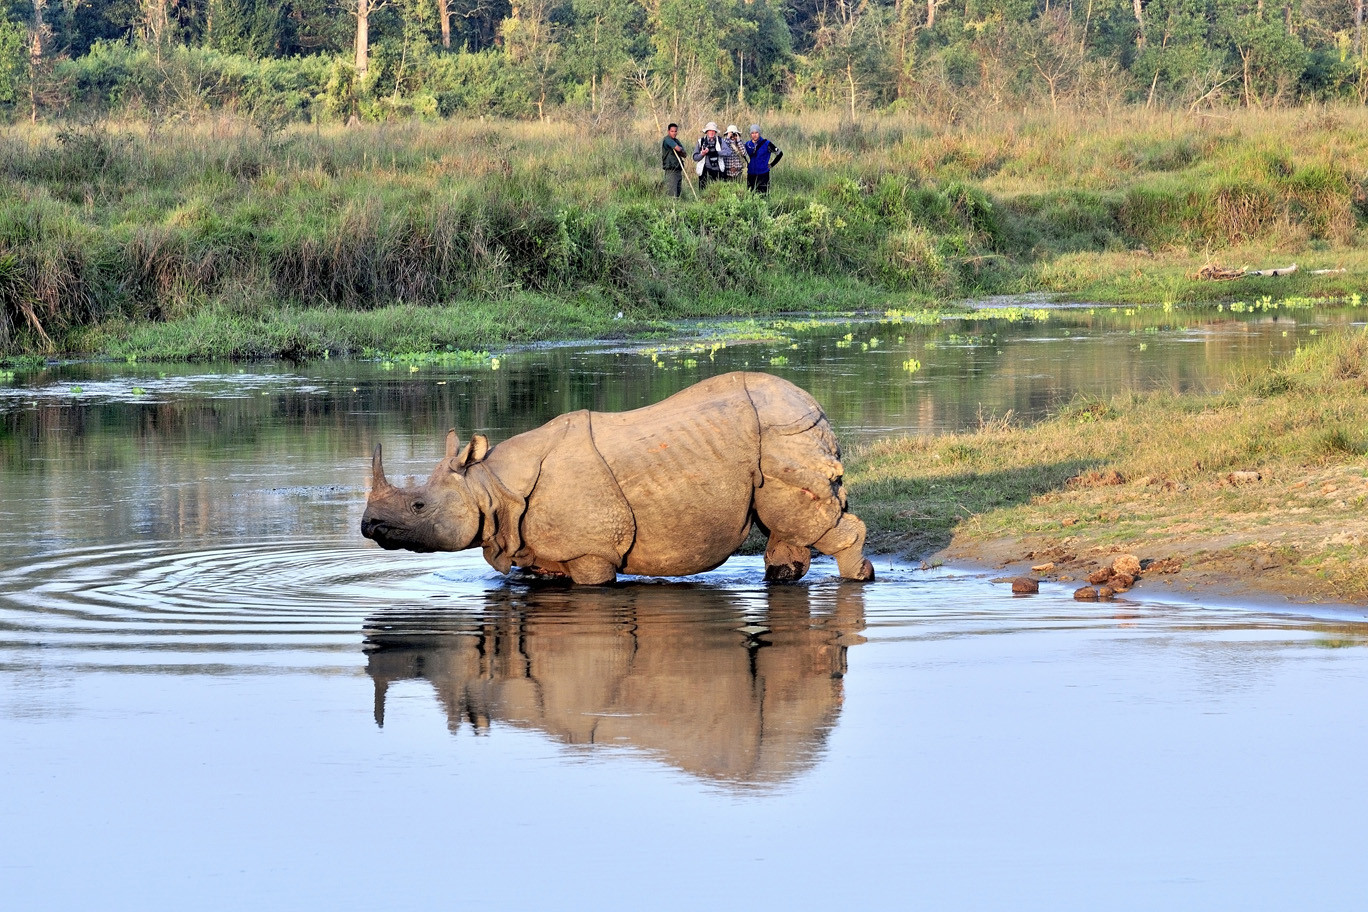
104	220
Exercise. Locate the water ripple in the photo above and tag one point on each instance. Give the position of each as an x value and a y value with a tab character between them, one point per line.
287	602
266	596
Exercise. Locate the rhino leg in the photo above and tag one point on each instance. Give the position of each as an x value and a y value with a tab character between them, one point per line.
802	509
785	561
846	543
591	571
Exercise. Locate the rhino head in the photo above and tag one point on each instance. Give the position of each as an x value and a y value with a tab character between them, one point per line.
443	515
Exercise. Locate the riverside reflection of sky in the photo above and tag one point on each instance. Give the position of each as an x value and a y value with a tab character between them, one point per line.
990	751
192	635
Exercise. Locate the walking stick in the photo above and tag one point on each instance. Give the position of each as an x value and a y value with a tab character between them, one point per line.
688	180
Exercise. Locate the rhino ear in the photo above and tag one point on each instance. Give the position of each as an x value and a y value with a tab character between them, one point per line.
479	447
453	443
473	452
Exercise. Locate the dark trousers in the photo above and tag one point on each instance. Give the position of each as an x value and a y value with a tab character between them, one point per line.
709	175
758	182
674	182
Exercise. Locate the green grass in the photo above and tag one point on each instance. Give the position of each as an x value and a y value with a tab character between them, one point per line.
107	231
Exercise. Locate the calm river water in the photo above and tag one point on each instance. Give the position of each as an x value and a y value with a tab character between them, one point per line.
215	695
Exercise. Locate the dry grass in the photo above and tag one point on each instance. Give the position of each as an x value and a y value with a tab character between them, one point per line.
127	220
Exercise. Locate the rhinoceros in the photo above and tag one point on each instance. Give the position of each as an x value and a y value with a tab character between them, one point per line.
670	489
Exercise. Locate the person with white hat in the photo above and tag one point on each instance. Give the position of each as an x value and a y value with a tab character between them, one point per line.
735	153
709	156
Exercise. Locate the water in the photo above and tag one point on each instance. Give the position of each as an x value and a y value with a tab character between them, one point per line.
214	694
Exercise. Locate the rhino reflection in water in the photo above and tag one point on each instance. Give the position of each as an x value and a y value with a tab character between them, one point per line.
677	671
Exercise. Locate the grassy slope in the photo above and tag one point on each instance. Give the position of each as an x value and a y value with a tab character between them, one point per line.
1261	487
478	234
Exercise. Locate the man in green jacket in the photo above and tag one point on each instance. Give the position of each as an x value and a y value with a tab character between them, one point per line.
672	160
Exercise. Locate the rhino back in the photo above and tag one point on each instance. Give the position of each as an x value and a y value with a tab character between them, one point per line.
688	466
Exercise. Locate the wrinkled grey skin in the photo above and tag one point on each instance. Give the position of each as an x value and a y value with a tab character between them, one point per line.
666	490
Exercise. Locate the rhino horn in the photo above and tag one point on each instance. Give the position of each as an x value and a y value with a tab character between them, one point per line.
378	480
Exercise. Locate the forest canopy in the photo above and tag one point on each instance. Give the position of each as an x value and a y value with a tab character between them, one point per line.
315	60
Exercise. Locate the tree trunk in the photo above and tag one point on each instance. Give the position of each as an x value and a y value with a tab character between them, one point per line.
674	75
850	80
36	57
931	13
156	23
1358	26
362	37
1139	24
444	15
1249	97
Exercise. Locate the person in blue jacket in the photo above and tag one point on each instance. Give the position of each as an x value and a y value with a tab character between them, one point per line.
763	155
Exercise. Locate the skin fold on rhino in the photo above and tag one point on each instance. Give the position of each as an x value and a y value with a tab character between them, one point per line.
670	489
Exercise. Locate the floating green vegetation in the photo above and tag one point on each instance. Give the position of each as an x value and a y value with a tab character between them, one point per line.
777	331
760	330
6	375
932	317
655	352
794	326
778	360
911	365
1294	302
922	317
743	331
1010	314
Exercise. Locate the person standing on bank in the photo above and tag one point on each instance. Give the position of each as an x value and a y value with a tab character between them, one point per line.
763	156
735	153
672	160
710	155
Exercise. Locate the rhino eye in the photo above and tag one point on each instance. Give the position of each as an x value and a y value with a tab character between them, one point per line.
418	506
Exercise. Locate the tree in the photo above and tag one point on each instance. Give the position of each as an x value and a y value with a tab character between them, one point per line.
1056	51
759	38
40	56
364	10
688	36
444	13
850	56
1272	58
530	42
314	27
13	52
154	23
600	45
253	28
1181	57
